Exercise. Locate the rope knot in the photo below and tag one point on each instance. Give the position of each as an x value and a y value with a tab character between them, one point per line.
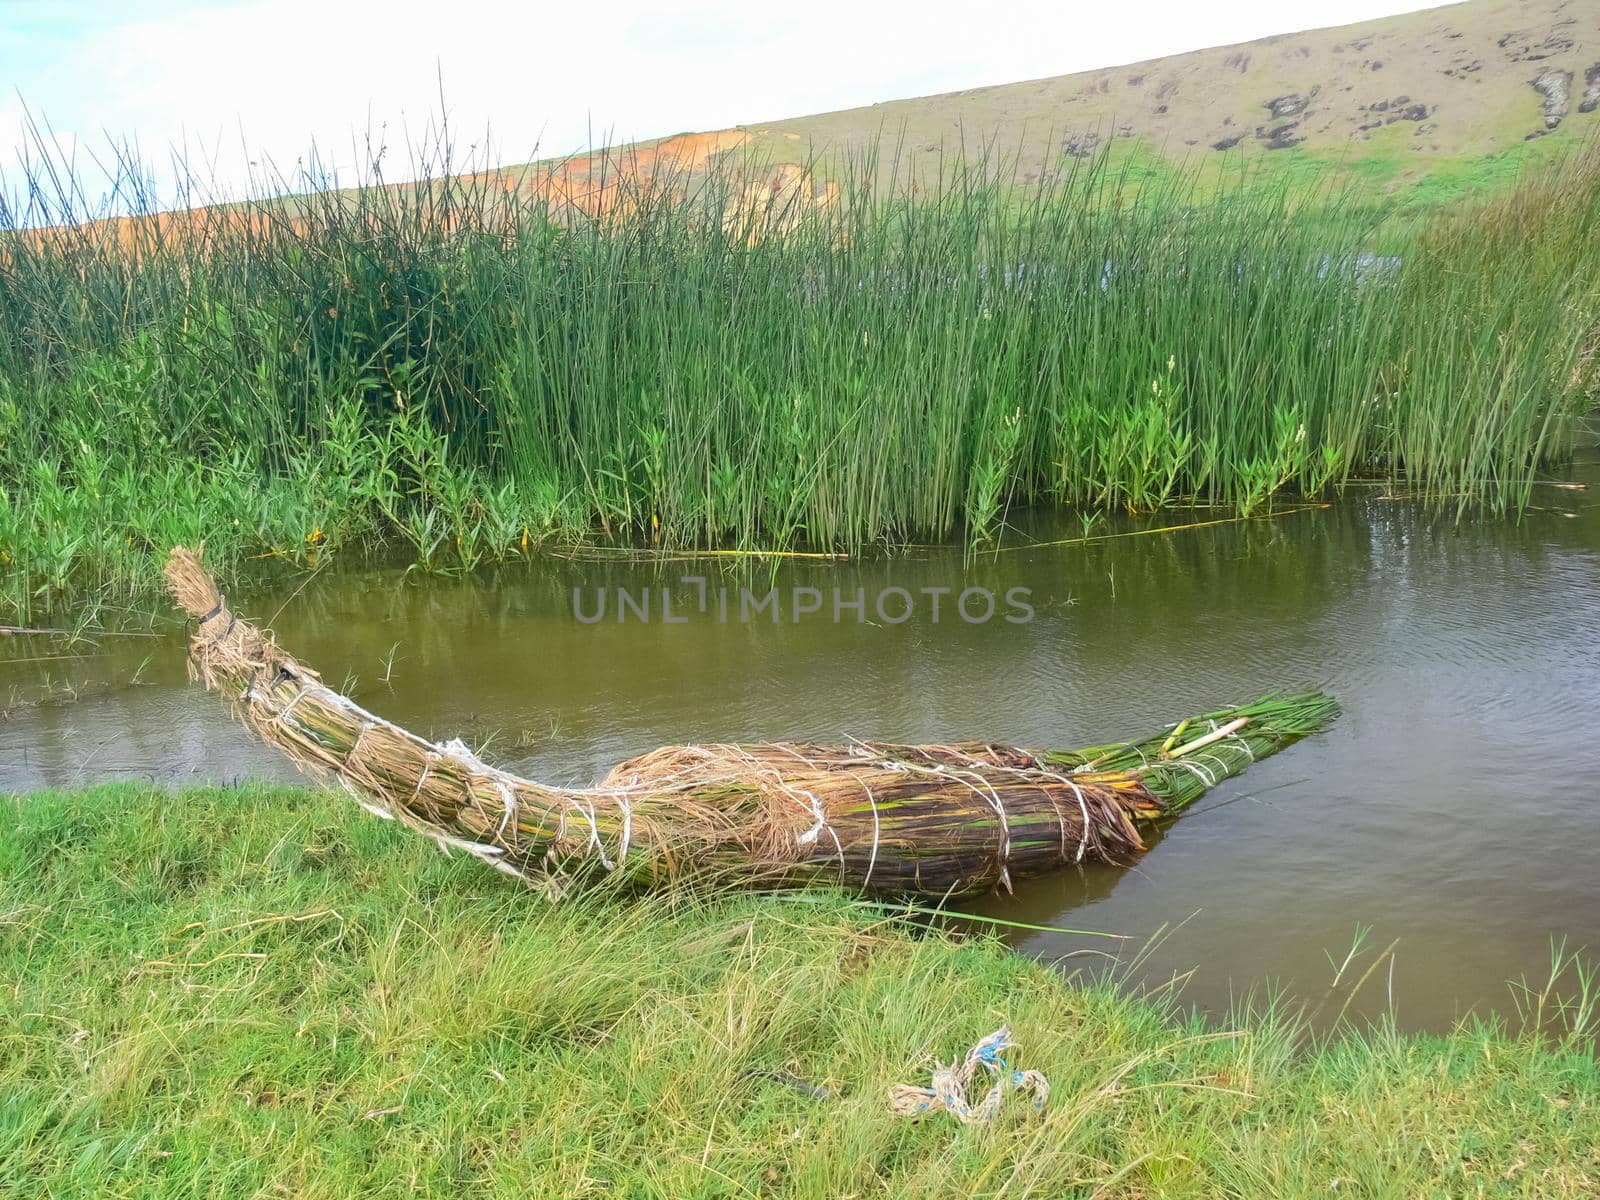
948	1092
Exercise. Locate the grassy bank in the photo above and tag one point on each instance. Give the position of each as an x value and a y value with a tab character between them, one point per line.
262	992
464	372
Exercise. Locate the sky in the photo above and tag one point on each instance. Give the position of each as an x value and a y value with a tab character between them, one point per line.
249	86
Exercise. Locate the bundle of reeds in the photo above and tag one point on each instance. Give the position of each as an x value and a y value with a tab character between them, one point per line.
872	816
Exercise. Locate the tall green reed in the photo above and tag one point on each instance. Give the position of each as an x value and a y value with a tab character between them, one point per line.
470	365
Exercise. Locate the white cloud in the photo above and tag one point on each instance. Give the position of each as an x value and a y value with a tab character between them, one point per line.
548	76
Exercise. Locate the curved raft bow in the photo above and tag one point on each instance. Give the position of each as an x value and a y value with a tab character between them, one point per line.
871	816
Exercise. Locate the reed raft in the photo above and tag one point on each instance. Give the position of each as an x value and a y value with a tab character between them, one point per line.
871	816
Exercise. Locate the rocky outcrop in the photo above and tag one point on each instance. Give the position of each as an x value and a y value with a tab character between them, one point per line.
1387	112
1281	137
1080	145
1556	88
1591	90
1520	45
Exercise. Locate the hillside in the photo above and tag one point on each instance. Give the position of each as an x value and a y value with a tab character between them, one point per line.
1430	106
1449	98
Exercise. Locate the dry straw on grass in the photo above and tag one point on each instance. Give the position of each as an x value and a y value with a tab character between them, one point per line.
876	817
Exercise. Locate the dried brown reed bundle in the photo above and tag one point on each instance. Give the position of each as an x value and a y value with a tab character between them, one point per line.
894	819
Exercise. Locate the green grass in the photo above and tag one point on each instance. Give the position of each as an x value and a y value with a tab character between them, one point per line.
1455	180
263	992
464	376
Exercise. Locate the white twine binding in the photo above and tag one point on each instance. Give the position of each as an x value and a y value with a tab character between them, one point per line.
594	835
872	803
627	826
991	795
1083	807
509	800
283	713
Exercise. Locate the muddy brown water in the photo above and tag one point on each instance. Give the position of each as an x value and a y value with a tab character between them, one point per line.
1455	806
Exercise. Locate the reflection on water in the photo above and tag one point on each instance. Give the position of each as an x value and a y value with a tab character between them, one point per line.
1453	807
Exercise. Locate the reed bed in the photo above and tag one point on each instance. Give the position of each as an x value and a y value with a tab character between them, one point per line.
469	367
900	820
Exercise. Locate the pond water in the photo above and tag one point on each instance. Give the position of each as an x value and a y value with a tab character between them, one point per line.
1455	806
